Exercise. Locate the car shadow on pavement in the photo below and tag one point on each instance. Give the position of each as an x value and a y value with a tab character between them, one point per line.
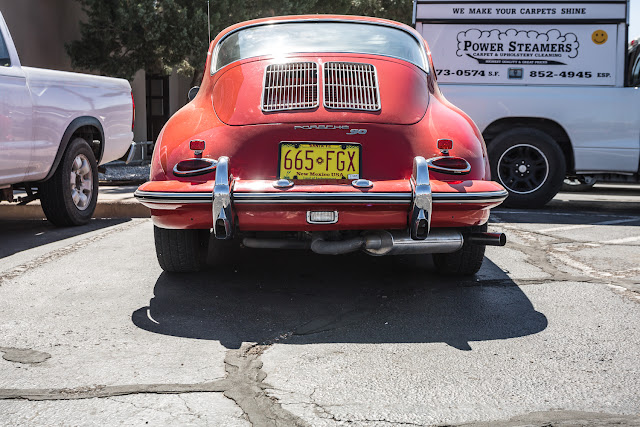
22	235
299	297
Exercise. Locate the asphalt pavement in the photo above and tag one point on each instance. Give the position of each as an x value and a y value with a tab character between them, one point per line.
92	332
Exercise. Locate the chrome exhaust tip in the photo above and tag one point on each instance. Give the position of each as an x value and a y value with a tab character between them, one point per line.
488	239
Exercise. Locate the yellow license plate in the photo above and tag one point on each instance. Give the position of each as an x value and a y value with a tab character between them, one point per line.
302	160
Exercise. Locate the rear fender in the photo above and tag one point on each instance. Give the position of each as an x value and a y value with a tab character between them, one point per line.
66	138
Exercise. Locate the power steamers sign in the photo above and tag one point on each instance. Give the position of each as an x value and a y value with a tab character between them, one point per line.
470	44
518	46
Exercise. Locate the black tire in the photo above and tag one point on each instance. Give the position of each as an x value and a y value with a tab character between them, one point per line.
181	251
65	203
465	261
529	164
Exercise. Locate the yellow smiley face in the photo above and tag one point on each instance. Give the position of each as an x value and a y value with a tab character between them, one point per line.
599	36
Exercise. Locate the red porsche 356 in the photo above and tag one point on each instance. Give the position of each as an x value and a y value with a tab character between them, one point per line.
326	133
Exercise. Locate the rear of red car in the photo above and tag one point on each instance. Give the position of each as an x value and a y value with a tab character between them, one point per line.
321	133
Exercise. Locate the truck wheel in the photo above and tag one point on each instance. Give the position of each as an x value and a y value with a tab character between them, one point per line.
181	251
463	262
70	196
529	164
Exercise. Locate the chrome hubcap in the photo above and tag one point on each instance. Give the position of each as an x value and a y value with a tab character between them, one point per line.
81	181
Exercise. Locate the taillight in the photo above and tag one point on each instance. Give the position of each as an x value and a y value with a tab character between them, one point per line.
133	114
196	145
194	167
449	165
445	144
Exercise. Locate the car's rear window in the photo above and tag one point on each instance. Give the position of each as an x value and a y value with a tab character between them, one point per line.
293	37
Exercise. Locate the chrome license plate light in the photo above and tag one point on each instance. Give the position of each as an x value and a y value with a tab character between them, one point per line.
322	217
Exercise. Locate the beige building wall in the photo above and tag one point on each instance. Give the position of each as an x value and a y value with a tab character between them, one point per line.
40	29
179	86
139	89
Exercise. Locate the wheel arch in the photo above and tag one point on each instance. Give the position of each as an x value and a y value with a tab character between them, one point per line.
551	127
86	127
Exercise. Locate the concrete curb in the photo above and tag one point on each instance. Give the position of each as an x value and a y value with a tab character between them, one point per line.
113	202
103	210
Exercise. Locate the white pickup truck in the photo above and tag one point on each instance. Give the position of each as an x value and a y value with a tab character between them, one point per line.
552	86
55	129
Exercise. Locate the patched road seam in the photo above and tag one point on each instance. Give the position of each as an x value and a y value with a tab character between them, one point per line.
104	391
542	255
244	385
247	389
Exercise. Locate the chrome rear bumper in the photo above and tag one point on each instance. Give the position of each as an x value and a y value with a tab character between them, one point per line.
420	200
222	215
154	198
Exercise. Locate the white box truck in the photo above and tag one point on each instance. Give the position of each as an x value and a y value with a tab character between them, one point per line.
553	86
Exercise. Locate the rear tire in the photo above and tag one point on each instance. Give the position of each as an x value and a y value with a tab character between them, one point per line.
181	251
70	196
529	164
465	261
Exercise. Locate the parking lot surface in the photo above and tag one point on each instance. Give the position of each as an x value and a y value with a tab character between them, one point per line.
92	332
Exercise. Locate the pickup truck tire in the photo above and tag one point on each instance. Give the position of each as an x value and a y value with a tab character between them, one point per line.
529	164
181	251
70	196
463	262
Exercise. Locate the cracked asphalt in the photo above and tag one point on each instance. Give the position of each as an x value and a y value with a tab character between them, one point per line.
92	332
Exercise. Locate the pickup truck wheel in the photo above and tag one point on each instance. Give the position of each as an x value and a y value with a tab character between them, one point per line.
529	164
463	262
181	251
70	196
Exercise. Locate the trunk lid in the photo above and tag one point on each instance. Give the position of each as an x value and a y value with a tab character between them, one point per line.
326	89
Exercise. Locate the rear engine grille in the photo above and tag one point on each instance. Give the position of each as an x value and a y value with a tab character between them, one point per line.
290	86
351	86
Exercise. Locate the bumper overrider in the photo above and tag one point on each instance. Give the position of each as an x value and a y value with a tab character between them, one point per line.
260	205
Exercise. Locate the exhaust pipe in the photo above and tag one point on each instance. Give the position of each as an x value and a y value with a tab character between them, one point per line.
401	243
377	243
328	247
317	244
253	242
488	239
